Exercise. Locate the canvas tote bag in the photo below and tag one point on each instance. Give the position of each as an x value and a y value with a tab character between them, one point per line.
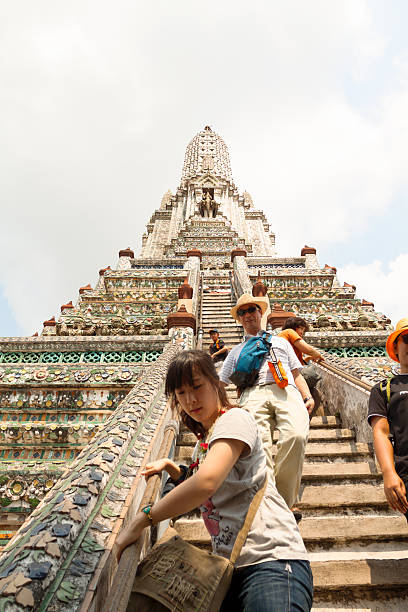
177	576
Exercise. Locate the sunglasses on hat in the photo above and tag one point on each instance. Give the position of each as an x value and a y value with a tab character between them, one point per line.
250	309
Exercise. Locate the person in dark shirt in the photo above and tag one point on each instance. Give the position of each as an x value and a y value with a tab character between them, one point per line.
388	416
218	350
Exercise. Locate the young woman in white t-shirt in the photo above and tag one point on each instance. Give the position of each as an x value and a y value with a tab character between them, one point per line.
272	572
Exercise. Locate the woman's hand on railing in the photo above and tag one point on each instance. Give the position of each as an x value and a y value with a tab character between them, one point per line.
160	465
129	535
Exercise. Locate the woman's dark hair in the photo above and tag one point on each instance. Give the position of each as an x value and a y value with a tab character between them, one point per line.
181	371
294	322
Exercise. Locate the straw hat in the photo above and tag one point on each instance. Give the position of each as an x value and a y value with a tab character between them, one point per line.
245	300
402	326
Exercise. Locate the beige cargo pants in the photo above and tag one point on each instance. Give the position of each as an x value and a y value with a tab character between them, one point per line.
283	410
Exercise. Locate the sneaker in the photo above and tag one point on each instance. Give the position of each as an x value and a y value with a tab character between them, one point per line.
297	514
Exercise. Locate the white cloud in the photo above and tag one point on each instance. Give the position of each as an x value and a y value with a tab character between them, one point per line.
97	106
387	280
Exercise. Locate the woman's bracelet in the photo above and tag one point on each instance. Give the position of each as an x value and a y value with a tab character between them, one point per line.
147	510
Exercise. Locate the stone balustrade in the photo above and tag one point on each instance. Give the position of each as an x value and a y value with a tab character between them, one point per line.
61	558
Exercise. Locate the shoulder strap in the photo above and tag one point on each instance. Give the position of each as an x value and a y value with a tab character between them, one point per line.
388	390
385	385
252	510
267	337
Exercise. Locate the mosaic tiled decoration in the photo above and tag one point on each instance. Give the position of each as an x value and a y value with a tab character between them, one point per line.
80	357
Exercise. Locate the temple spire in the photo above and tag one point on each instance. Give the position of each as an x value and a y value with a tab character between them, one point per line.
207	153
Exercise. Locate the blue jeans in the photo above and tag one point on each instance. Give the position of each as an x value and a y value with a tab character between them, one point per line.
272	586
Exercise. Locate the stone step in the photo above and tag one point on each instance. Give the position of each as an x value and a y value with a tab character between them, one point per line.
346	451
324	421
337	449
221	307
232	332
221	321
231	336
222	328
224	325
317	422
228	334
213	304
231	339
315	435
218	316
339	497
369	574
364	603
215	310
321	471
229	343
324	532
361	530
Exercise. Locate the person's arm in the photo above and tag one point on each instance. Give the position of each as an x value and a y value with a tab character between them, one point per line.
222	350
394	487
305	348
190	494
304	390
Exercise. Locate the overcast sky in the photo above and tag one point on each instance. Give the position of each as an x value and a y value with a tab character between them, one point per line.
98	101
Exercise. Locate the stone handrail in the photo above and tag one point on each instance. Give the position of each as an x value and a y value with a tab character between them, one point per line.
345	375
121	588
240	279
61	558
348	396
199	341
194	276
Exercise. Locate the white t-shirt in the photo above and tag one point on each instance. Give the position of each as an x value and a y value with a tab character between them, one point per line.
283	351
274	534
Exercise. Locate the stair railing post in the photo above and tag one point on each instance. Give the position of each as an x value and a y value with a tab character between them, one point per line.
200	331
241	281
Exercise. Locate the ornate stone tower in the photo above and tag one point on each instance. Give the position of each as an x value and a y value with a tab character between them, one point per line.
82	405
207	212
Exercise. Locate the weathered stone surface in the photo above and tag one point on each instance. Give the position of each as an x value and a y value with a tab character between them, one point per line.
342	496
80	497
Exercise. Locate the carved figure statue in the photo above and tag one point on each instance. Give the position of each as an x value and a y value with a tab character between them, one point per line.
208	208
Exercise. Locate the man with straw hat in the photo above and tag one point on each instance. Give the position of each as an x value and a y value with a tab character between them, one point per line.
388	415
274	405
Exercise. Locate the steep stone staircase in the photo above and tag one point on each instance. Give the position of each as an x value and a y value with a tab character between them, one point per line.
216	314
358	546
